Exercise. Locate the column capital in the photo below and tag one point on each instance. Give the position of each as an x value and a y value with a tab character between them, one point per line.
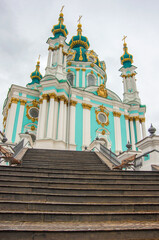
142	120
73	103
50	48
77	69
14	100
40	101
52	95
64	53
61	45
69	63
23	102
131	118
83	69
45	97
126	117
136	118
116	114
62	98
92	65
9	105
86	106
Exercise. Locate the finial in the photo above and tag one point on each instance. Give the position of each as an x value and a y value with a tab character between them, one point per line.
39	58
124	39
79	19
62	8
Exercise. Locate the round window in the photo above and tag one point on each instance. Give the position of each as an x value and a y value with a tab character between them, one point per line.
102	117
91	80
34	112
70	78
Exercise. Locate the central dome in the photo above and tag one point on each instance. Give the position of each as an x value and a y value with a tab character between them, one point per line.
79	40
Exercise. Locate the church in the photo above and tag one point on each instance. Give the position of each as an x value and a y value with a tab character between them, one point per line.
70	106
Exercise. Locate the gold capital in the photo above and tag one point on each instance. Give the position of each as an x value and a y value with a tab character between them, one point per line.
116	114
73	103
126	117
86	106
14	100
45	97
23	102
52	95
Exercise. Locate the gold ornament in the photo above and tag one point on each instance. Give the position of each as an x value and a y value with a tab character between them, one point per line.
101	91
104	111
86	106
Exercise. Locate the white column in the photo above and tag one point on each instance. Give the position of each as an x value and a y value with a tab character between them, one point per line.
117	127
55	57
98	79
132	134
86	124
12	110
60	55
72	121
8	119
138	130
49	57
51	116
61	115
39	118
65	120
20	119
127	127
77	77
43	117
52	62
65	55
83	77
142	120
55	117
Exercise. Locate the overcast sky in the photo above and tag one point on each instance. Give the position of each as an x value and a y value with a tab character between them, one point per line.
25	27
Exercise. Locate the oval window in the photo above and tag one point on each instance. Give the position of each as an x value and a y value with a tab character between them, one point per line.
102	117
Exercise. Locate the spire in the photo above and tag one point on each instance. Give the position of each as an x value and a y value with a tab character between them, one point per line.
126	58
60	29
79	29
36	75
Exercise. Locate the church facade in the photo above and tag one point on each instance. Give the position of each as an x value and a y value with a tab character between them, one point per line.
70	105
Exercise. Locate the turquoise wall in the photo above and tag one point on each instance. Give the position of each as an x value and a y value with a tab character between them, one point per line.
79	126
15	122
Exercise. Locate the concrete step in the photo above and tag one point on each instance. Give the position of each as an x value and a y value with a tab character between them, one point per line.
36	216
78	207
123	186
78	192
76	198
70	231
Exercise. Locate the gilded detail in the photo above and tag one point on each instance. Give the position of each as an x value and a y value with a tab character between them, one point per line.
101	91
32	127
136	118
22	102
14	100
86	106
126	117
131	118
62	98
102	110
52	95
92	65
35	103
40	100
142	120
116	114
73	103
83	69
77	69
80	57
45	97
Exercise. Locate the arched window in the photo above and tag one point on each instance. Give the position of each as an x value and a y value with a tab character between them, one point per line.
70	78
91	80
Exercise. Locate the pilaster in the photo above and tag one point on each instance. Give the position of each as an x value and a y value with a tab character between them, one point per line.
132	133
20	119
72	121
86	124
117	127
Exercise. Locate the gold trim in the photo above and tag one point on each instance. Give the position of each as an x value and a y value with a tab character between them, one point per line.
91	71
40	101
142	120
23	102
73	103
68	70
131	118
61	45
80	57
136	118
9	105
50	48
77	69
14	100
86	106
83	69
92	65
103	132
45	97
62	98
52	95
126	117
91	54
32	128
80	42
35	103
69	63
116	114
28	115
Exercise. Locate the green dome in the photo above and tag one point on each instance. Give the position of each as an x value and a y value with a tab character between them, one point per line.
79	40
36	75
60	29
126	58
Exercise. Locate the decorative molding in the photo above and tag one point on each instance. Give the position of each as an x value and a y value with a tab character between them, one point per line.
40	101
116	114
136	118
62	98
86	106
68	70
35	103
32	128
61	45
131	118
52	95
9	105
92	65
73	103
77	69
92	72
50	48
83	69
45	97
69	63
104	111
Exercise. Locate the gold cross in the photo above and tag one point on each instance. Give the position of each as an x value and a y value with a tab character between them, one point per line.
124	38
39	57
79	19
62	8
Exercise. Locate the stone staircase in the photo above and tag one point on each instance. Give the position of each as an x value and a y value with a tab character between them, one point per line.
73	195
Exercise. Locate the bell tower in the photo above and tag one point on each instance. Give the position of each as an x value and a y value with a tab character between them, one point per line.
131	95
